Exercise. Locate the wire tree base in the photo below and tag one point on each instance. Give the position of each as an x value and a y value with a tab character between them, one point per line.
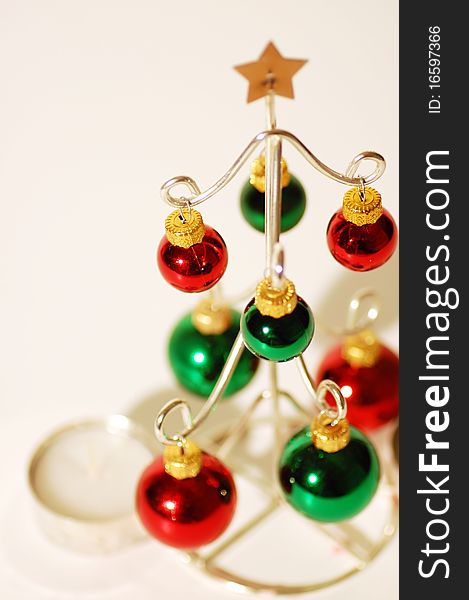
325	555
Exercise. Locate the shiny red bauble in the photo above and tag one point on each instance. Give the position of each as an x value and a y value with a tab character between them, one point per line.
197	268
362	247
372	393
186	513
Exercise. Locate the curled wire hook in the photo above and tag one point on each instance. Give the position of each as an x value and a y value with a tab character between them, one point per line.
277	266
182	201
356	318
187	419
192	422
318	393
357	321
340	411
380	166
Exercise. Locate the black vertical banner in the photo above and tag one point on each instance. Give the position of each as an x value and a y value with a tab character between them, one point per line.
434	268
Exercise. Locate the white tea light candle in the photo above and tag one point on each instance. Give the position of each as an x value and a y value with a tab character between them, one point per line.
83	478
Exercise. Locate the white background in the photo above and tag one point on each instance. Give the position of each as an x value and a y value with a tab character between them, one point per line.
100	102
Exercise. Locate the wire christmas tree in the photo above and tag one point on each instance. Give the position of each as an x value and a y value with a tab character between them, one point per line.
328	471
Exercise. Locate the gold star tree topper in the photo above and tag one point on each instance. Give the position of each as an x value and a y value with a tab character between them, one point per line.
271	72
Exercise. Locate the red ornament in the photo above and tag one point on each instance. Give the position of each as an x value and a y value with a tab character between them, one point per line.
196	268
190	512
372	393
362	247
362	235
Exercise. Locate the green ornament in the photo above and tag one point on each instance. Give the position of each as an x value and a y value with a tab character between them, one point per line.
327	486
277	339
197	360
293	205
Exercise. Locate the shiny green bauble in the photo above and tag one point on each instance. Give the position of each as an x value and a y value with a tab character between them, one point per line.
326	486
277	339
293	205
197	359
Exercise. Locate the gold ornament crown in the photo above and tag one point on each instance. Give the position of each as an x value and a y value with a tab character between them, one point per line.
185	230
182	461
362	207
257	178
211	320
327	437
274	302
362	349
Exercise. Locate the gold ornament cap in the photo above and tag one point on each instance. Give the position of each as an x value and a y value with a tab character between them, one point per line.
182	461
362	207
327	437
257	178
273	302
210	319
187	231
362	349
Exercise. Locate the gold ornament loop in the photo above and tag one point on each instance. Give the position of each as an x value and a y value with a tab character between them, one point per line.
328	436
275	302
182	461
186	231
257	178
181	213
362	190
362	207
